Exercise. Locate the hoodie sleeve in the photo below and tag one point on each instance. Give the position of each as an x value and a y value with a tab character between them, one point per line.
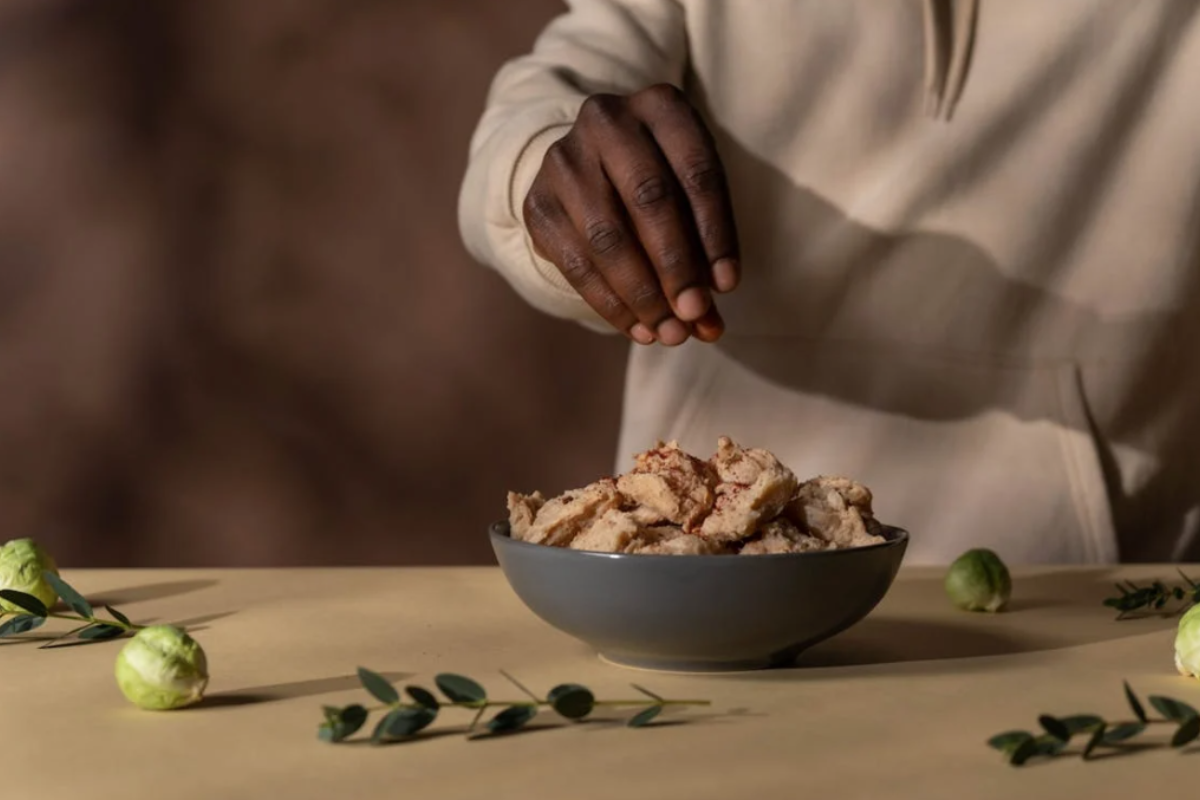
612	46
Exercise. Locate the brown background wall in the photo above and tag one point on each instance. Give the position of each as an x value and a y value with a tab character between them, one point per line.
237	325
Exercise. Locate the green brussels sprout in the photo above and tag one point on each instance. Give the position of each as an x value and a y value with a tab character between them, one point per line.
979	581
161	668
22	562
1187	644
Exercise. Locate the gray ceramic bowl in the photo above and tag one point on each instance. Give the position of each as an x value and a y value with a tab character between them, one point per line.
700	613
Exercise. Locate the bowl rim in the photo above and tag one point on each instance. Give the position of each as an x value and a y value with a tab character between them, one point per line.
500	532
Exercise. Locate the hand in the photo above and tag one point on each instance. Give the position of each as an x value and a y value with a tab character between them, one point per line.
632	207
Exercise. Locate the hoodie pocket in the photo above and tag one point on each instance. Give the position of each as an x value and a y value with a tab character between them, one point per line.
961	452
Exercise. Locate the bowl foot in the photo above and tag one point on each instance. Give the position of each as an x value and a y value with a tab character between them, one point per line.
691	667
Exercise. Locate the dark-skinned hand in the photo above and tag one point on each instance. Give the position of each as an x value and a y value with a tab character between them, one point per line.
633	208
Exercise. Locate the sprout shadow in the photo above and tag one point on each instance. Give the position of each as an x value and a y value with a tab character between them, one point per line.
151	591
288	691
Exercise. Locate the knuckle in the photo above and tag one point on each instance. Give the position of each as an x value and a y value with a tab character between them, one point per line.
577	269
703	176
604	237
673	263
710	232
601	108
645	298
662	94
650	191
559	157
538	208
612	306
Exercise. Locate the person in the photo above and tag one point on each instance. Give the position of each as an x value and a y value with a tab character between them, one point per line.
947	248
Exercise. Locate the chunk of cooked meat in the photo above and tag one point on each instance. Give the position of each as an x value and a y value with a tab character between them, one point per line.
754	488
522	510
781	536
670	540
837	510
669	482
613	532
560	519
742	500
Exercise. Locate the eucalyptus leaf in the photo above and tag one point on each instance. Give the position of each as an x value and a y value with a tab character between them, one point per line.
1023	752
1047	745
1007	742
401	722
1172	709
1186	732
378	686
1055	727
644	717
1126	730
25	602
1134	703
1095	741
341	723
100	632
1079	723
22	623
572	700
460	689
422	697
74	599
512	718
118	616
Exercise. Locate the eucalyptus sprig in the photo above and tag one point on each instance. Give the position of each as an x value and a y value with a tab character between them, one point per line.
34	614
405	719
1155	596
1020	746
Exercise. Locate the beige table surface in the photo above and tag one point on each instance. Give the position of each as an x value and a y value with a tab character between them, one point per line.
899	706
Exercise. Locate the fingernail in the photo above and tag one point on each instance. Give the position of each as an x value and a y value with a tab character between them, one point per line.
691	304
725	275
641	334
672	332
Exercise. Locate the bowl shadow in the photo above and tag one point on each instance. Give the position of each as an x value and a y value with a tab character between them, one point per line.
915	625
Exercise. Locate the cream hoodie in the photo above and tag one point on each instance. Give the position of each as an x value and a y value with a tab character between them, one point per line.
989	316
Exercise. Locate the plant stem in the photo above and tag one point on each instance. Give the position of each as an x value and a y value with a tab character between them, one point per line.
111	623
507	703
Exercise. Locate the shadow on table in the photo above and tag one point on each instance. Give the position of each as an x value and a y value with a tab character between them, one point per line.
61	639
915	625
677	718
200	622
289	691
150	591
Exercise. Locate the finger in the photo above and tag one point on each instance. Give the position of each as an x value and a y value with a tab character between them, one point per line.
650	199
659	210
555	239
689	148
710	327
601	224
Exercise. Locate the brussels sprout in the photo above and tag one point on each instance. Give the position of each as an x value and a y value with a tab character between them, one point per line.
22	562
979	581
162	668
1187	644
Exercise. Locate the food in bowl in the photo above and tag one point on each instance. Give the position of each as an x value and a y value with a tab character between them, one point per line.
740	501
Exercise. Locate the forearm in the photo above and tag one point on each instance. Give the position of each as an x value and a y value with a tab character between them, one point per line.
597	46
